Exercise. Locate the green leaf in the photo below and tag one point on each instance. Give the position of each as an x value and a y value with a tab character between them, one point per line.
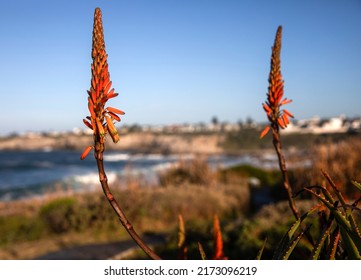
293	244
341	220
338	215
356	184
332	248
201	251
260	252
351	248
287	240
320	242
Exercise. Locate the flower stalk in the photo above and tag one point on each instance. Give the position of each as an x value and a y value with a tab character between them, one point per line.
101	121
278	118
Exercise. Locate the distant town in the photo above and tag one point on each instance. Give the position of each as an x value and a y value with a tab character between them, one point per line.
315	125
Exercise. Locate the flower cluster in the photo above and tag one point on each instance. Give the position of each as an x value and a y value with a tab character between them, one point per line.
277	117
101	118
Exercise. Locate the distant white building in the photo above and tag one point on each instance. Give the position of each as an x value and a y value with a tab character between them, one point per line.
333	125
317	126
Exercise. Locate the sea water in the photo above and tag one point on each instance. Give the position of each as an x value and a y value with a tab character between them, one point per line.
29	173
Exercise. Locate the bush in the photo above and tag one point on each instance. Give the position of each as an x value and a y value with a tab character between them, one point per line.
196	172
20	228
59	214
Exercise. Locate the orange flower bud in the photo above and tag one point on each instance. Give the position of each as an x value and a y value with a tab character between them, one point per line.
264	132
281	123
100	128
112	130
111	94
91	108
285	101
86	152
115	111
107	87
287	113
266	108
114	116
285	120
88	124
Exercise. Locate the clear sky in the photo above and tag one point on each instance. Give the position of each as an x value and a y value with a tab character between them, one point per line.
177	61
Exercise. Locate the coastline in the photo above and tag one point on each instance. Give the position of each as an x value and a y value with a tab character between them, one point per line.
142	142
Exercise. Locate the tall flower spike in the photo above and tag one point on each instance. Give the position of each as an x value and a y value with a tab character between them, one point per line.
101	118
276	116
101	122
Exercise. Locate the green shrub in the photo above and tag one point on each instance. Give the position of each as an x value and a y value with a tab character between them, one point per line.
20	228
59	214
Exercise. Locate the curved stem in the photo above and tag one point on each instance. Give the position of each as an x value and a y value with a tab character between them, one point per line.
282	165
120	213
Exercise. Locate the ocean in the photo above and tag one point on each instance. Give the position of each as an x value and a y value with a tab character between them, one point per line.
33	173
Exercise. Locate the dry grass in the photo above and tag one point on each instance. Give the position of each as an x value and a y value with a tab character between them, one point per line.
341	159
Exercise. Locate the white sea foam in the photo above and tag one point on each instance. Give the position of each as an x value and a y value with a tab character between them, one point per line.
93	178
117	157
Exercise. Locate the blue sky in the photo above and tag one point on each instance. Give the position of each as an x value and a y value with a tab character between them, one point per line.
176	61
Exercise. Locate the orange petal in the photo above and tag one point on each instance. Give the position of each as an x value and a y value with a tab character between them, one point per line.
112	130
111	94
114	116
91	108
115	111
86	152
88	124
93	83
100	128
107	87
266	108
281	123
271	99
285	101
285	120
264	132
100	85
288	113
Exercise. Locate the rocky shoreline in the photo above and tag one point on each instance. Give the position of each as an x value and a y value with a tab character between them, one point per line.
138	141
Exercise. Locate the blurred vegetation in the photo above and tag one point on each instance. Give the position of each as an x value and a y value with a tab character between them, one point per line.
151	210
197	192
247	139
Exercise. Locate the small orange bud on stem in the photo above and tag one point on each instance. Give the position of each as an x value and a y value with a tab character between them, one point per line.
86	152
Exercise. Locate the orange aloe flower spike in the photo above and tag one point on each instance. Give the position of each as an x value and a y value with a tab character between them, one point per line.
277	117
218	241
